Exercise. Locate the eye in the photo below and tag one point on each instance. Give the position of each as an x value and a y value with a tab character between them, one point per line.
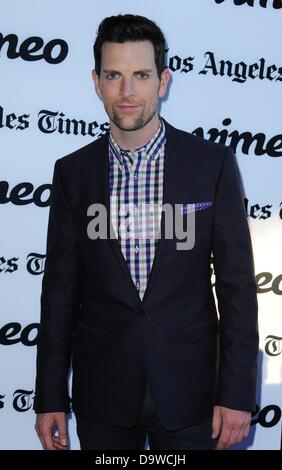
143	75
112	75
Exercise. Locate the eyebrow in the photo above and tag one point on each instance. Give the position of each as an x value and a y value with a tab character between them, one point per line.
137	71
144	70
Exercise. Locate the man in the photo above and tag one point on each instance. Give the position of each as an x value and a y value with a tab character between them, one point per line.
137	314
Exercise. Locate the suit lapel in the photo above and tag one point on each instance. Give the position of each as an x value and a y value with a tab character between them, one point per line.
104	191
170	196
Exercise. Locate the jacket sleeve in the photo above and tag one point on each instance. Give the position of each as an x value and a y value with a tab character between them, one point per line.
236	293
59	302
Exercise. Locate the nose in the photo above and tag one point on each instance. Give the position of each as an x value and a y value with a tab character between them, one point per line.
127	88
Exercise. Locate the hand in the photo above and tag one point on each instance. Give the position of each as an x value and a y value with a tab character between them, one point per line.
44	426
230	425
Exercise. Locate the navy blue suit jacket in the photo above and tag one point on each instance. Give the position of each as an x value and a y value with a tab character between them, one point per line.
91	311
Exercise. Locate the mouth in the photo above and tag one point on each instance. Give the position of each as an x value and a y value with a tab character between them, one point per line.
127	109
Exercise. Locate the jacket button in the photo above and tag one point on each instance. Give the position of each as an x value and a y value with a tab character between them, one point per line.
143	311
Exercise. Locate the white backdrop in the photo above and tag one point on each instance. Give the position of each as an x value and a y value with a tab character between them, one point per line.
207	95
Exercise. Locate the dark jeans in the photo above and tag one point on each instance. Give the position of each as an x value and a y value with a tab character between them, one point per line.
93	435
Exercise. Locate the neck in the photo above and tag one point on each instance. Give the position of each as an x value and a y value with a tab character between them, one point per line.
134	139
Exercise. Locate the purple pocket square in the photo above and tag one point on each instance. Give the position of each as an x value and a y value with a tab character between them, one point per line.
197	206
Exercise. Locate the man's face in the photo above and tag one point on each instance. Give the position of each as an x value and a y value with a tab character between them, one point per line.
129	84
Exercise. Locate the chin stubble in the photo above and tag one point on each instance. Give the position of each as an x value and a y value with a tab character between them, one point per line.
139	123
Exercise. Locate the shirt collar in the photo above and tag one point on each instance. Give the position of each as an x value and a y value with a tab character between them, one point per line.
151	149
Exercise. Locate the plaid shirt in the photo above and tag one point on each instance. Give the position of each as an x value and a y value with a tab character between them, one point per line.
136	194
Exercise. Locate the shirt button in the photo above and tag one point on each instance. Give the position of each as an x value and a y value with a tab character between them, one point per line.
136	248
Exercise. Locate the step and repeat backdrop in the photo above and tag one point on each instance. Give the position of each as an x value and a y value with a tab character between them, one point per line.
226	86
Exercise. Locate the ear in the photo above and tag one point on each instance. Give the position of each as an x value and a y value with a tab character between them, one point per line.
96	83
165	76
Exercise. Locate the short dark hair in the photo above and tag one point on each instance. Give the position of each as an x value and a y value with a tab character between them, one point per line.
126	28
